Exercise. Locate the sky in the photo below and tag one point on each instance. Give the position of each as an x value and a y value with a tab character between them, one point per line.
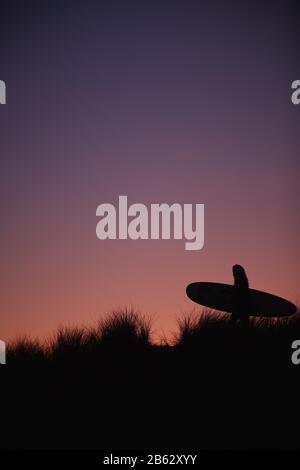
182	101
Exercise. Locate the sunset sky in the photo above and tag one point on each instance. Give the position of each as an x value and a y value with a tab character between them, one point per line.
162	101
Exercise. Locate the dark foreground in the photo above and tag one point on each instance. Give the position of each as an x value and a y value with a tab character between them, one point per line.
219	387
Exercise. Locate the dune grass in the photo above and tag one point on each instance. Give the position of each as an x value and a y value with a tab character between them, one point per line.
26	350
110	386
126	330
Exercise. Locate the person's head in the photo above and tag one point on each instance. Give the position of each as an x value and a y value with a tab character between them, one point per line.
238	270
240	276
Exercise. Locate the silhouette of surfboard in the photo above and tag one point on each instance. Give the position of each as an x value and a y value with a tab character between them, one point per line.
221	297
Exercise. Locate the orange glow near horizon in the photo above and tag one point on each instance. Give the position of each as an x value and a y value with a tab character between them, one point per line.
61	276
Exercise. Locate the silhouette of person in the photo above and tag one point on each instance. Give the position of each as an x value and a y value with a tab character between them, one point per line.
240	311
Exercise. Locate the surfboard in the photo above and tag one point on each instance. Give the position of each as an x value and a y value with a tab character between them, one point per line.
222	297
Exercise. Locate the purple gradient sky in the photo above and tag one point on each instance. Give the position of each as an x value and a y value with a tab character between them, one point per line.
165	102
